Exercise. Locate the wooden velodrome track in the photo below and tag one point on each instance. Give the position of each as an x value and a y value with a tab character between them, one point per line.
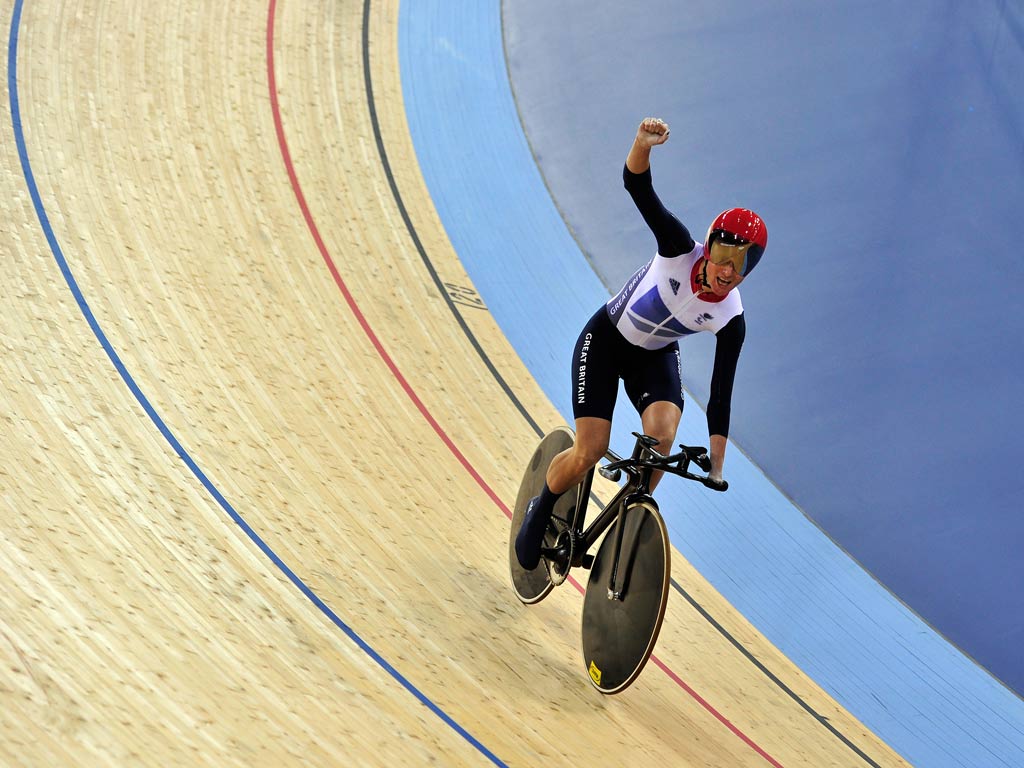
255	474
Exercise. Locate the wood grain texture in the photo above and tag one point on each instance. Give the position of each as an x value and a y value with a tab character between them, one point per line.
323	395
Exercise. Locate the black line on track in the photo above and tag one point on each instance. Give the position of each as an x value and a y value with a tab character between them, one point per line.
772	676
396	193
415	236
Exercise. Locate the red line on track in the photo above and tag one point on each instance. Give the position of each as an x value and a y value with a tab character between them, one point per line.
349	299
404	383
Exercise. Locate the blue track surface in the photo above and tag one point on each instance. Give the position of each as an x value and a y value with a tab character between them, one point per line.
905	682
884	145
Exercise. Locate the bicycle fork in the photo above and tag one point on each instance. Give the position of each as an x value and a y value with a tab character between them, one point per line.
627	535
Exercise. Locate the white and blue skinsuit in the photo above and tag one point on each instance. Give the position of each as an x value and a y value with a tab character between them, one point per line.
635	335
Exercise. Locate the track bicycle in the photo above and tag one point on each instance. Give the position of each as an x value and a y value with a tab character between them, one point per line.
627	592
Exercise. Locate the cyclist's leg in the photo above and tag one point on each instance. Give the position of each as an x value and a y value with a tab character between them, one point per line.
566	471
595	383
597	360
661	420
569	467
655	388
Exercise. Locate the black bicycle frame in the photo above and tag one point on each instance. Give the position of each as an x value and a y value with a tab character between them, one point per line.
637	488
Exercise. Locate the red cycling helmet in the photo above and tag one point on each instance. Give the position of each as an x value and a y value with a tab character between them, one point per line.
738	237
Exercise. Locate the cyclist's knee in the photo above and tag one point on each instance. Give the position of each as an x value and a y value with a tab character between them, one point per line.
589	453
592	438
665	439
660	421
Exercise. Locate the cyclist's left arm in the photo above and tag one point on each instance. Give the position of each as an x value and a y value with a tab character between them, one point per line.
728	342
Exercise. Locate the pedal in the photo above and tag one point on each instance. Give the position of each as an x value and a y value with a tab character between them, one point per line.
588	562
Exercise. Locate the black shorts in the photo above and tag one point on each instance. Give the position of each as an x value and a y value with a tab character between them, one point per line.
603	356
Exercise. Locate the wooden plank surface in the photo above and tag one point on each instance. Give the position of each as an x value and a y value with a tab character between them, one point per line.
277	535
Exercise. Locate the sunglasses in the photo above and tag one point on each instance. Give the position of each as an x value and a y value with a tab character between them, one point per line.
727	248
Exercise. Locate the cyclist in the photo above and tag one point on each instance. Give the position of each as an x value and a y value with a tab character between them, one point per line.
686	288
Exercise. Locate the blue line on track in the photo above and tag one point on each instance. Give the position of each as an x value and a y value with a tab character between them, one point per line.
58	254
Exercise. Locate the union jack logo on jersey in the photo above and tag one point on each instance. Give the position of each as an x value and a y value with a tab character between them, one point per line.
650	315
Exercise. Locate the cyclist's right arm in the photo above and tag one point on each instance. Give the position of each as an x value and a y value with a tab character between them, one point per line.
673	238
